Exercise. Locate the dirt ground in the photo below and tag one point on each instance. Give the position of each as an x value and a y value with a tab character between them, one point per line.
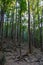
11	56
36	58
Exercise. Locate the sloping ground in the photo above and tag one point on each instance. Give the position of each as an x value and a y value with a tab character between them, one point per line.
36	58
11	55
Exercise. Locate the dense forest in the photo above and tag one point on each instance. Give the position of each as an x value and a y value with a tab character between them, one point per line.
21	32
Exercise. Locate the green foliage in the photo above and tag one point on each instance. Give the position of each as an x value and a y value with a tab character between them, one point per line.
23	5
7	4
35	9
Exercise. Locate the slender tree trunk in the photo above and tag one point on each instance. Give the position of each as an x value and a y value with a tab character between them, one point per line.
1	27
29	38
20	31
7	26
23	34
16	22
2	21
34	30
12	18
38	18
0	31
33	23
41	33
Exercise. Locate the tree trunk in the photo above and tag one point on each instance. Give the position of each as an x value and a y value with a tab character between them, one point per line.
1	27
41	34
12	19
7	26
2	21
29	38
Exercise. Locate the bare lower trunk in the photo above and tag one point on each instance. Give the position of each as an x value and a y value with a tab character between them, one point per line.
1	27
2	21
29	39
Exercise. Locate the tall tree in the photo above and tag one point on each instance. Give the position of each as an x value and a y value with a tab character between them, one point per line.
41	33
29	39
7	25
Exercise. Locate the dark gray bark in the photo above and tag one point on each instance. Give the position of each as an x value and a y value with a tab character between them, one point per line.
7	26
2	21
29	38
12	19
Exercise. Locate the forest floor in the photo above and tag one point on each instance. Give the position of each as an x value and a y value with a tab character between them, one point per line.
35	58
11	57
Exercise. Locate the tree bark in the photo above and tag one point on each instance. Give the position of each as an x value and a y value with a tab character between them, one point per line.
41	33
2	21
29	38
